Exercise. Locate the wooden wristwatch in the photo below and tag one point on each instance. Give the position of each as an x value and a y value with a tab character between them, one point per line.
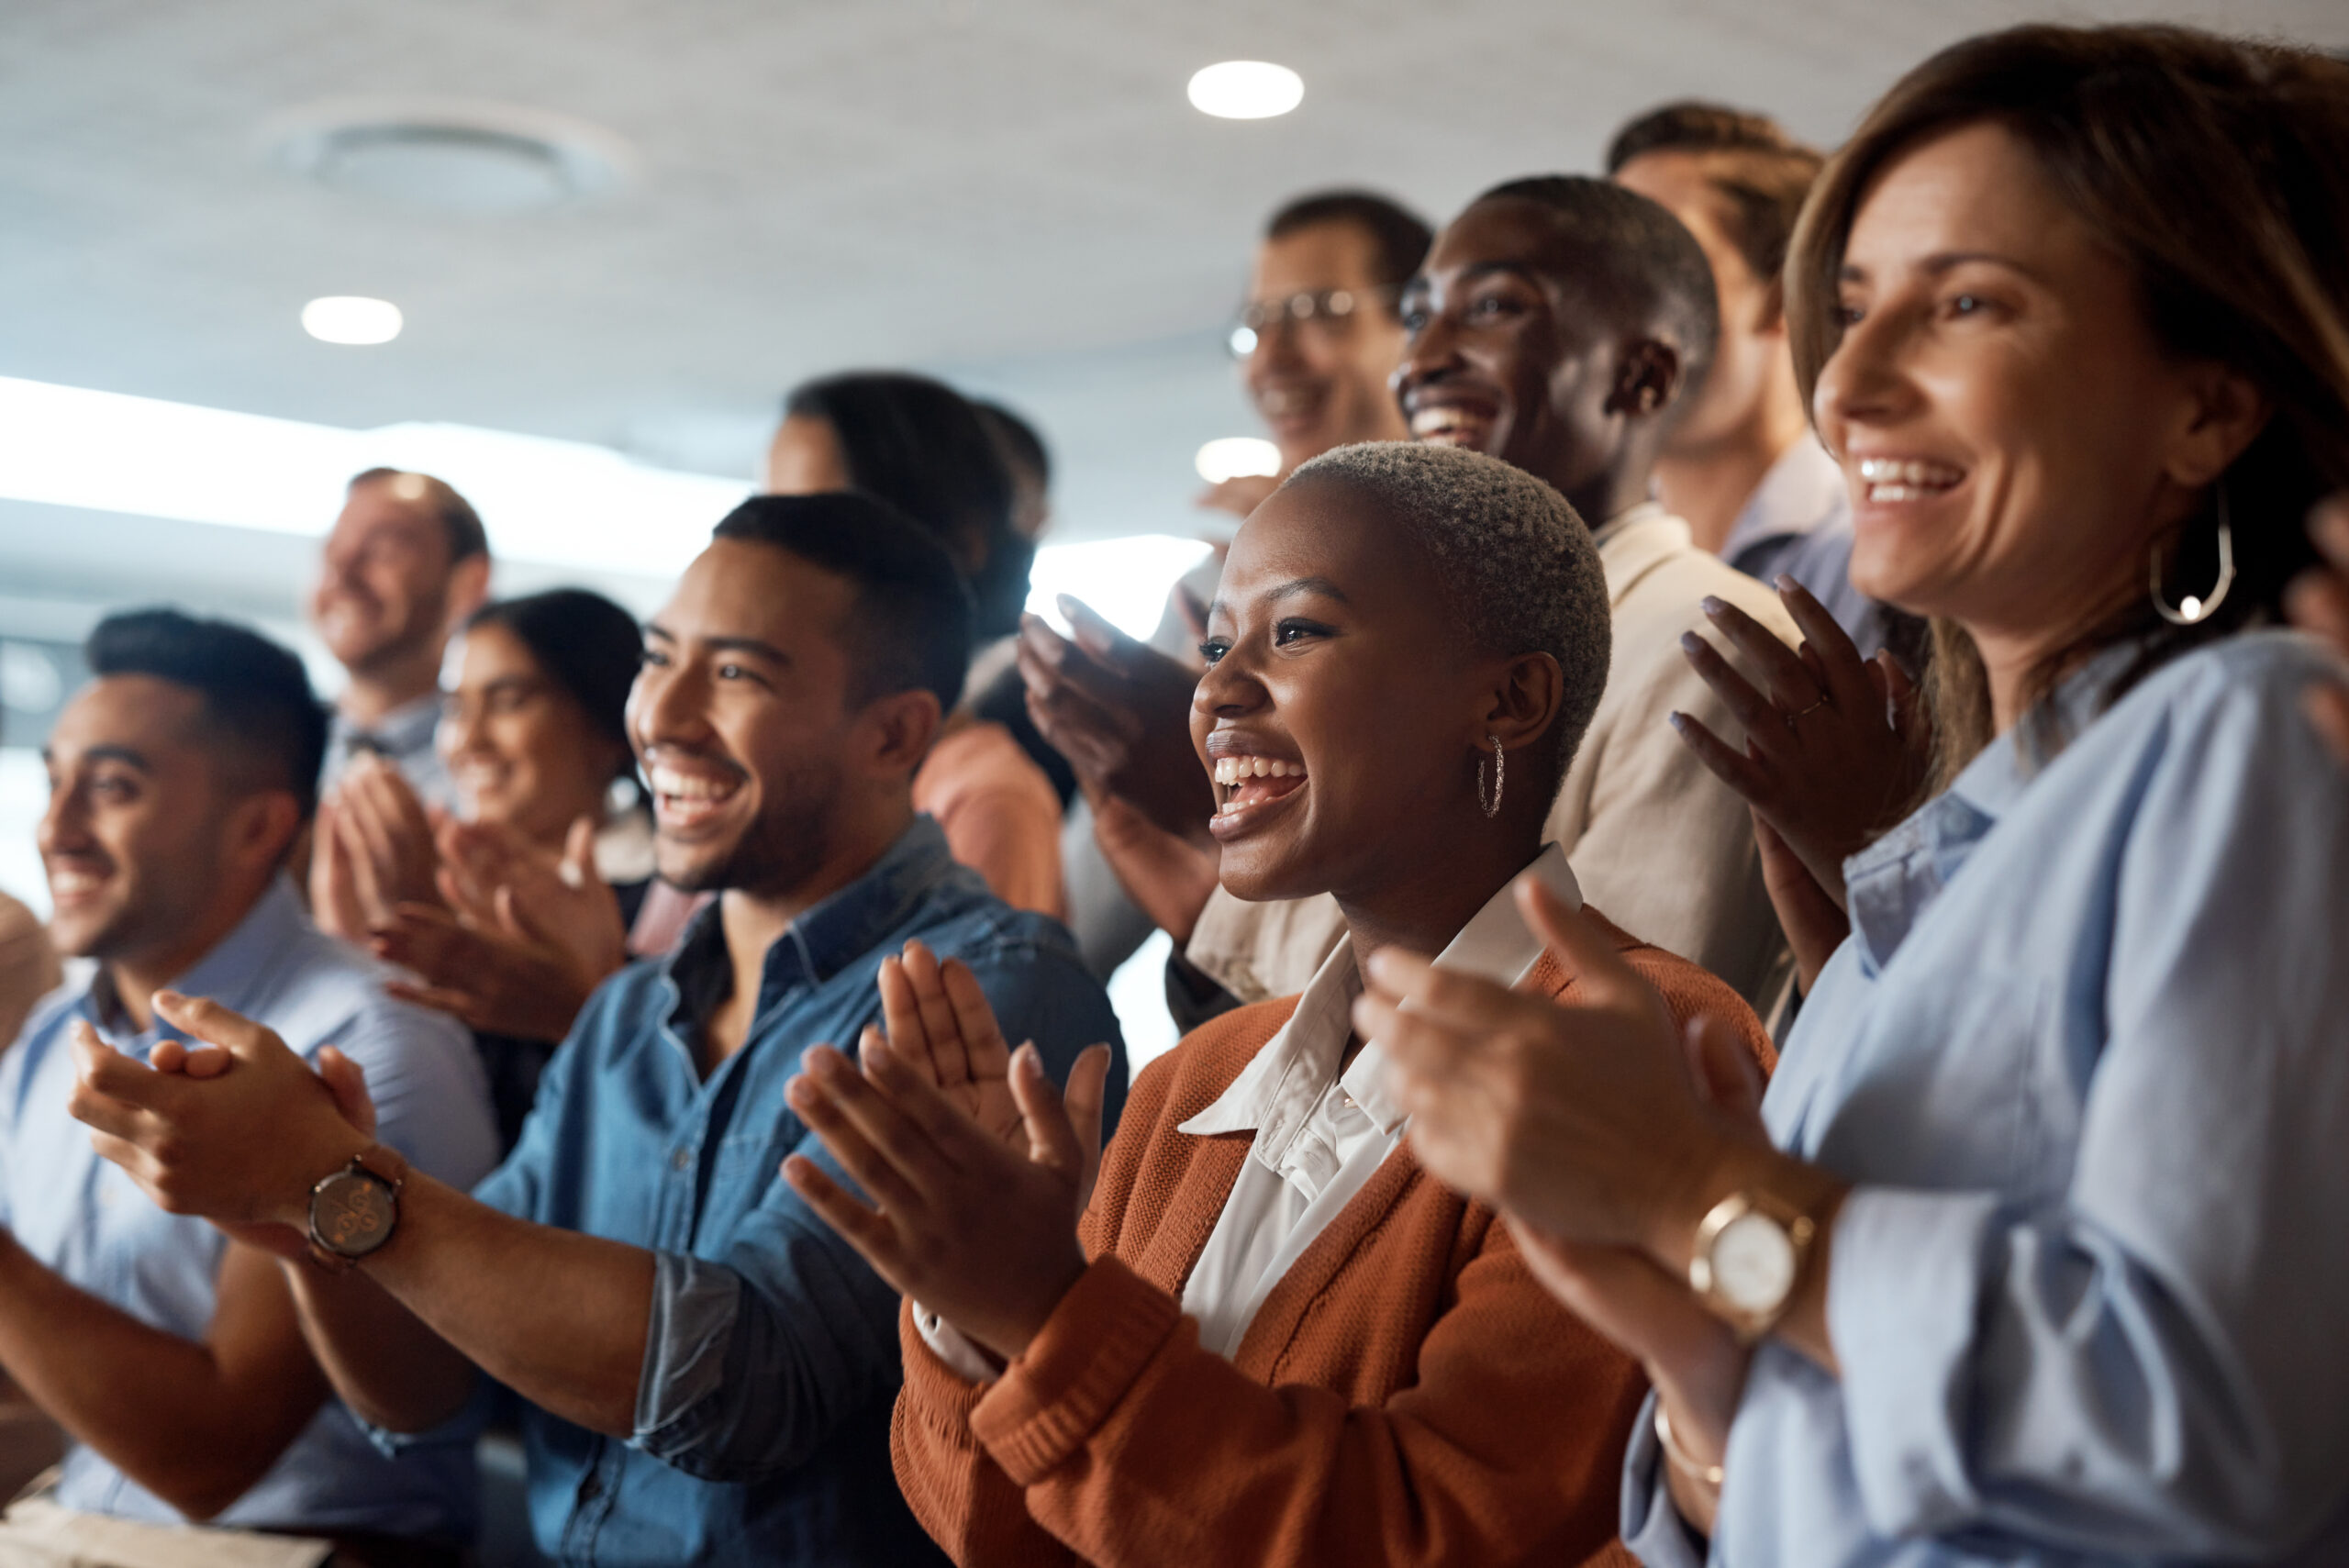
354	1210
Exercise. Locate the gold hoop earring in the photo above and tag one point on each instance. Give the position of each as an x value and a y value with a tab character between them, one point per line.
2191	610
1501	769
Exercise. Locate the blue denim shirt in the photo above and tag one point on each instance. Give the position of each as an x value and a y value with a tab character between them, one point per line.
762	1420
82	1216
2086	1057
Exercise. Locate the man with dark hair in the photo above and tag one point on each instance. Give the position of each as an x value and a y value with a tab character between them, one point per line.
1556	326
179	778
1741	465
1316	340
708	1369
406	562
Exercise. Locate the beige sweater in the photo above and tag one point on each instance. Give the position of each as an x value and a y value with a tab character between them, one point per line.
1656	841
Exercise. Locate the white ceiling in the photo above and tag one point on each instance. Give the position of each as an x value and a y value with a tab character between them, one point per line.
1012	193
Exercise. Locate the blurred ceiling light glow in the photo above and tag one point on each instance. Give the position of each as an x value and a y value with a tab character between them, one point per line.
1246	90
564	503
1230	457
352	319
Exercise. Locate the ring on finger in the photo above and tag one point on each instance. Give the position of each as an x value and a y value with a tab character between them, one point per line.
1800	713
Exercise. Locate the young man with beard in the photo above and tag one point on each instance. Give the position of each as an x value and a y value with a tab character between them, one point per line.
179	778
1558	324
406	561
706	1369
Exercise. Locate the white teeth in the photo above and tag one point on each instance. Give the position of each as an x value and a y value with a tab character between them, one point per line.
1235	769
686	786
1908	474
1430	422
1284	400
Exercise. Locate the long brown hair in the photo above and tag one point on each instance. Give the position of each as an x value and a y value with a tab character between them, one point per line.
2218	170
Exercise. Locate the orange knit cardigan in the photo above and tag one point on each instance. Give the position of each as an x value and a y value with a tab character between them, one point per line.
1407	1394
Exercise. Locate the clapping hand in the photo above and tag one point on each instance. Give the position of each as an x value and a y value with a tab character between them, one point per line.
1835	751
979	1229
1120	712
375	850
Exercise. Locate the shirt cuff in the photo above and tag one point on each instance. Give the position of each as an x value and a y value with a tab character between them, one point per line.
955	1347
695	1304
1904	1293
1651	1527
461	1427
1049	1402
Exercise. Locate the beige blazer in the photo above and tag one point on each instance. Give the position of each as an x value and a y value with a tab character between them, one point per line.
1658	842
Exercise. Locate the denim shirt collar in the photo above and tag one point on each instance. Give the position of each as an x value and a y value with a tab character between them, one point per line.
1890	884
230	973
826	938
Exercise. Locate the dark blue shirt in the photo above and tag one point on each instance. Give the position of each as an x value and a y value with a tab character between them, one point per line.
762	1420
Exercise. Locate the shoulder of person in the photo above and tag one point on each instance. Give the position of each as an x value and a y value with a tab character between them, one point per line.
1192	1076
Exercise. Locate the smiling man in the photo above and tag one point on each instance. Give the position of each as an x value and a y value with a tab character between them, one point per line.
1560	324
707	1370
179	778
406	562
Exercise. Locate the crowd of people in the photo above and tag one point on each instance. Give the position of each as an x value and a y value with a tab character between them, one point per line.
1755	831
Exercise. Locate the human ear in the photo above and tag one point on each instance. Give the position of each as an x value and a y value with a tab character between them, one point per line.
2222	412
899	729
1523	700
262	830
468	590
1645	378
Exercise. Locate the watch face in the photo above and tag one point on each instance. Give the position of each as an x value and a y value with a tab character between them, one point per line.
352	1214
1754	1263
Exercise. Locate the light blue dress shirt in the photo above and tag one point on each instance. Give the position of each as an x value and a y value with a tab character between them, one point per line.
83	1218
2086	1057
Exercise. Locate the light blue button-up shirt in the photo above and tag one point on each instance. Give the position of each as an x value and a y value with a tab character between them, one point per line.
2086	1057
82	1216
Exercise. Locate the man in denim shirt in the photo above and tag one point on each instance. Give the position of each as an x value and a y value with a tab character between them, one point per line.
708	1370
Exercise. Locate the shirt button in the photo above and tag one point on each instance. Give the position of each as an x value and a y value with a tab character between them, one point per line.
591	1489
681	1158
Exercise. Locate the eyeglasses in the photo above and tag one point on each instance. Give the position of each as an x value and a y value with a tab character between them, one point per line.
1326	309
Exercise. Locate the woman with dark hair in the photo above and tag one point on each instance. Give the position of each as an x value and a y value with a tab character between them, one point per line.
2035	1252
922	446
1271	1338
523	906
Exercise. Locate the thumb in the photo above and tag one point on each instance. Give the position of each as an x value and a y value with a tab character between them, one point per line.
347	1081
1725	1071
579	853
209	1021
1094	635
1052	1141
1581	946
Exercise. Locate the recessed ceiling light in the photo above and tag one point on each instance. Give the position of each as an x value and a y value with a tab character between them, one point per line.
1230	457
352	319
1246	90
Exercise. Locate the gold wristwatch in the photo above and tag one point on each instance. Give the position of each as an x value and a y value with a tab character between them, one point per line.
354	1210
1749	1256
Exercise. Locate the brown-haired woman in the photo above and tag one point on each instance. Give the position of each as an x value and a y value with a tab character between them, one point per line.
2045	1261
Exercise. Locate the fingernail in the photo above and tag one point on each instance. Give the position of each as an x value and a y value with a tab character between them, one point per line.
1711	605
167	999
1690	642
1679	720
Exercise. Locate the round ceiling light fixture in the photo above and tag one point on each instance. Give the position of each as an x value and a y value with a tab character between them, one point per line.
1234	457
461	157
1246	90
352	319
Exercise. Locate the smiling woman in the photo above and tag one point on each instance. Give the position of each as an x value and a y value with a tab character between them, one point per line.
1263	1259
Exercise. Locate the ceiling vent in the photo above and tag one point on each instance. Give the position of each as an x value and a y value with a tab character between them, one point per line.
450	157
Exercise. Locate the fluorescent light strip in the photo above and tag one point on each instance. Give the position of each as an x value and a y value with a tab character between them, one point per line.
557	503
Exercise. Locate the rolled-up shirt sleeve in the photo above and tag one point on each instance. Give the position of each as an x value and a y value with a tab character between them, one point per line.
2151	1361
752	1359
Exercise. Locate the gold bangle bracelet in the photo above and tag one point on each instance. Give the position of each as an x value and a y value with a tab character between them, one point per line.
1680	1458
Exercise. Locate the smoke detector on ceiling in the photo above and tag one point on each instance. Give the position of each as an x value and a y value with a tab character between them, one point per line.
462	157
